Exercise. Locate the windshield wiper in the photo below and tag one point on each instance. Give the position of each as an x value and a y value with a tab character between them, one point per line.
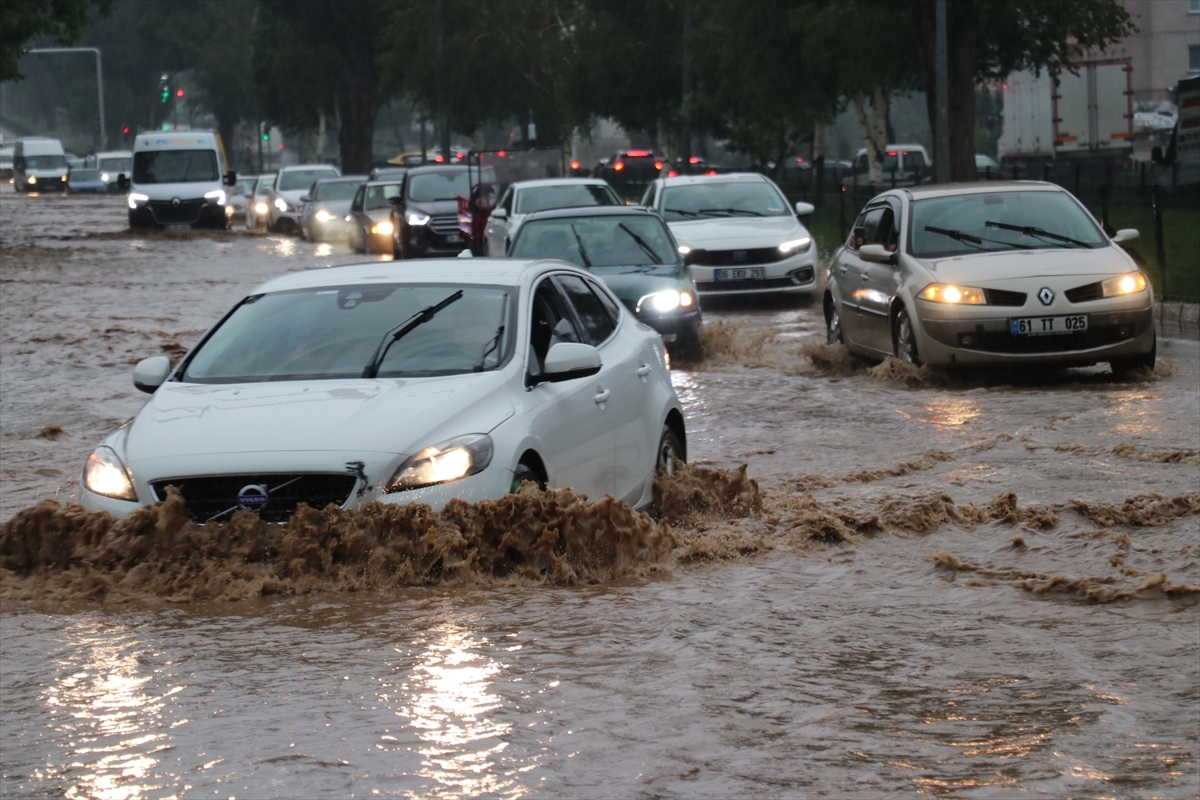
489	348
403	329
1030	230
641	243
582	249
732	211
681	211
959	235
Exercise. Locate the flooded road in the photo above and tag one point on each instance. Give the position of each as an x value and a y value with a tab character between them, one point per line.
977	586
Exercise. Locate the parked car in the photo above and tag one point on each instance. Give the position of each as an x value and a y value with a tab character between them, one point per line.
283	196
738	233
323	215
371	225
633	252
258	203
903	165
425	216
1013	273
629	171
112	165
986	169
86	181
526	197
402	383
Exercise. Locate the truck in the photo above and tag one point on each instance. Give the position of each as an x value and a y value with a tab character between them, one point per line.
1087	114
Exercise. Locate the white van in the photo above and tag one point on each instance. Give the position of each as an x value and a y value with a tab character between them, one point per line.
39	165
903	165
178	179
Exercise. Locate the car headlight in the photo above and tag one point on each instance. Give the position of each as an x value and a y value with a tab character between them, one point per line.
215	196
384	228
135	198
684	249
260	208
104	474
448	461
281	204
958	295
800	245
664	301
325	216
1124	284
229	209
104	177
33	178
417	218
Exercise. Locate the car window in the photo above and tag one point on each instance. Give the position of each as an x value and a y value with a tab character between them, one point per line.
648	197
357	203
380	196
551	324
598	323
914	160
507	202
337	190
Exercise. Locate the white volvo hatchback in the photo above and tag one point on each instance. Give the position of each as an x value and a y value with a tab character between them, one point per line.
400	383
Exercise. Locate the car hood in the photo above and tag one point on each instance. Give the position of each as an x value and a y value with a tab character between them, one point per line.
293	195
434	209
730	233
392	415
1017	264
632	285
339	207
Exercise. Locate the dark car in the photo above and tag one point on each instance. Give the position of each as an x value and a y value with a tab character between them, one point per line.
425	213
86	181
630	172
632	251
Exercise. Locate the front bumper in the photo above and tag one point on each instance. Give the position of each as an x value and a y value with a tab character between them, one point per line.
673	326
428	241
795	274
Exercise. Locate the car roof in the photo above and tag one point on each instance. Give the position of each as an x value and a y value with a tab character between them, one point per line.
534	184
724	177
982	187
478	271
295	167
435	168
590	211
344	179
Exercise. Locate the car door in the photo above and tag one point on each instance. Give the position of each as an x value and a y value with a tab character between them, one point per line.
879	280
848	275
623	380
497	231
569	417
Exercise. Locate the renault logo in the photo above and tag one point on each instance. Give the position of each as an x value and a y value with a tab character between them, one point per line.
175	202
1046	296
252	496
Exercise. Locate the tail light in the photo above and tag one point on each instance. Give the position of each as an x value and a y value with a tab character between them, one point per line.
637	153
672	174
658	165
574	165
711	172
693	160
620	165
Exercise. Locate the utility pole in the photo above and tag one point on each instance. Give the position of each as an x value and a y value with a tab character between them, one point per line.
99	81
443	113
688	11
941	149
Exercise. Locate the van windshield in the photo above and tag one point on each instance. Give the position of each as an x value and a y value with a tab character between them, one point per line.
45	162
175	166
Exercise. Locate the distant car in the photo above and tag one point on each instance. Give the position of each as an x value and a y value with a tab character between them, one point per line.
526	197
629	171
986	169
425	216
903	165
235	206
258	202
1014	273
633	252
112	165
399	383
370	223
283	196
86	181
326	206
738	233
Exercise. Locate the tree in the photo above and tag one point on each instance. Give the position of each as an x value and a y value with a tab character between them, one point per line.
23	20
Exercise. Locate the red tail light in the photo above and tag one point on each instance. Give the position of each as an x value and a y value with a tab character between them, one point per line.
574	165
672	174
891	152
799	160
658	165
438	159
905	152
693	160
620	165
637	153
501	154
711	172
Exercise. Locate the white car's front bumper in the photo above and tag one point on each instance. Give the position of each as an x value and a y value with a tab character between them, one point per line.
735	275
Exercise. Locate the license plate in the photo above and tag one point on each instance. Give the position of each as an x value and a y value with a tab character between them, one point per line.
454	237
749	273
1044	326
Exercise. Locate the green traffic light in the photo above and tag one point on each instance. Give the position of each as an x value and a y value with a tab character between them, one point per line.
266	137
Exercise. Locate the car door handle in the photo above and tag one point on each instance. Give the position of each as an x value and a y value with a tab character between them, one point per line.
864	277
644	370
602	396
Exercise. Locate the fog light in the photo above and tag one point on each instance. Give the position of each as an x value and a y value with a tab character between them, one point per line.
968	341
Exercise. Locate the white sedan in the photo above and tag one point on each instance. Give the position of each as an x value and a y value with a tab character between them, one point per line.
528	197
400	383
737	233
1010	273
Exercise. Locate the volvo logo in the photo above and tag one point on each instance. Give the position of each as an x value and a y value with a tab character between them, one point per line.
252	496
175	201
1046	296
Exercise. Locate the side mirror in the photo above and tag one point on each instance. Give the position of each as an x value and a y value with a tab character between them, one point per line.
306	199
150	373
804	209
231	178
123	182
876	253
1126	236
694	256
570	360
398	200
500	213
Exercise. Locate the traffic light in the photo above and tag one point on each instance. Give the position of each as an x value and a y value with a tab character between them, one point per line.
164	88
179	92
266	136
166	94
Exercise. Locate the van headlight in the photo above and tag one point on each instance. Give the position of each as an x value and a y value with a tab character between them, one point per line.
104	474
135	198
444	462
1124	284
215	196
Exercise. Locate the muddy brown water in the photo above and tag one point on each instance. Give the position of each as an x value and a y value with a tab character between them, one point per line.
921	584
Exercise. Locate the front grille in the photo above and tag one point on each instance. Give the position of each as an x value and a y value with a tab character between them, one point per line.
1002	297
1005	342
213	498
738	258
1082	294
751	284
167	213
444	224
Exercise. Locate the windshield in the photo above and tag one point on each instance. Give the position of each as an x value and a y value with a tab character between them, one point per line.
336	190
608	241
85	175
175	166
45	162
542	198
378	196
334	331
438	186
723	199
299	179
119	164
967	216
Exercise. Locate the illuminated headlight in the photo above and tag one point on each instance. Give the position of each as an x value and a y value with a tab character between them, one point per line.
384	228
800	245
104	474
1124	284
229	209
444	462
684	249
216	196
135	198
63	178
959	295
104	177
281	204
664	301
33	178
417	218
260	208
325	216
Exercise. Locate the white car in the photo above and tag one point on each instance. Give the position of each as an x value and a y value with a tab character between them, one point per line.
258	205
400	382
1014	273
737	233
283	196
527	197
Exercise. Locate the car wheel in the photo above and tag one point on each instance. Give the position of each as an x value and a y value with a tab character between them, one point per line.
525	472
833	325
904	339
1145	360
670	452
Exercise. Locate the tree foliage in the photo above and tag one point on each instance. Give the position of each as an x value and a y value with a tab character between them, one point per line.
21	21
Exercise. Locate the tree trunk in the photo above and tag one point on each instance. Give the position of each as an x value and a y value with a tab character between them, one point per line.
872	132
357	103
818	163
961	66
